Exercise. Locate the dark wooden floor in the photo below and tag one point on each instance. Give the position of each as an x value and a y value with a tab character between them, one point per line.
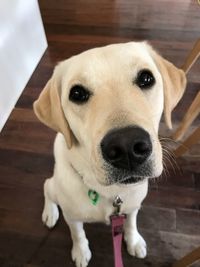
170	217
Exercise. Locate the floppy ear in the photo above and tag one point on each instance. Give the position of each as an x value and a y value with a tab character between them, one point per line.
174	82
49	111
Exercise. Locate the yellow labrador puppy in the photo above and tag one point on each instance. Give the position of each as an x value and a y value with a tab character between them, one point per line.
106	104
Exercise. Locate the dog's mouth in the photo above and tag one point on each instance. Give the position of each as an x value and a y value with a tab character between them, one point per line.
131	180
128	180
127	177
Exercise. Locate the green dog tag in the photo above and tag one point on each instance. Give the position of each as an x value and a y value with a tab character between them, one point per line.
93	196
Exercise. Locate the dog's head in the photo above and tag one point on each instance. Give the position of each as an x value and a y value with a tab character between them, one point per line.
107	102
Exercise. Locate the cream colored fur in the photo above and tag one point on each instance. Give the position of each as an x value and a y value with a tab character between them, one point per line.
116	102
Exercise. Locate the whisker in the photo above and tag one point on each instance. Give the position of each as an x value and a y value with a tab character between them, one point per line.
168	154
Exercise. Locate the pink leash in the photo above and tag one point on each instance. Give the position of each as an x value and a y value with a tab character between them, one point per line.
117	222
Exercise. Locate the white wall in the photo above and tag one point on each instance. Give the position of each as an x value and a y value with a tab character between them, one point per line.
22	44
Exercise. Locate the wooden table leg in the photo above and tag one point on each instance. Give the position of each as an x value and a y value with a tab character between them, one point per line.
191	140
192	57
190	258
189	117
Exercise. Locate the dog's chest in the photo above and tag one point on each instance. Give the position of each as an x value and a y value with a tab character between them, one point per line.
81	207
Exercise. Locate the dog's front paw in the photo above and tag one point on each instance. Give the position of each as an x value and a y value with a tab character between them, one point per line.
136	246
50	214
81	253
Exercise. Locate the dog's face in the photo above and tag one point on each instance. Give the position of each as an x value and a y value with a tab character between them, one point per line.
108	103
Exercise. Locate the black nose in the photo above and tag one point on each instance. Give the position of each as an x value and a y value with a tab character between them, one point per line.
126	148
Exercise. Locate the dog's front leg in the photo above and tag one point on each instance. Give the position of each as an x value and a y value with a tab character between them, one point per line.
136	245
81	253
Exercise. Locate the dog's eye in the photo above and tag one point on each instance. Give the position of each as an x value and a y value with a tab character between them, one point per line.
79	94
145	79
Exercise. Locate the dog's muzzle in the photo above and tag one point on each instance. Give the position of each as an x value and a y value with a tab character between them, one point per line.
127	150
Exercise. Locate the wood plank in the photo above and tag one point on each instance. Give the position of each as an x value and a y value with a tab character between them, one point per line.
27	136
173	198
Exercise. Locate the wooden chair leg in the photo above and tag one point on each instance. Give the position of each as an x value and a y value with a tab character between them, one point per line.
189	117
191	114
191	140
189	259
192	57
